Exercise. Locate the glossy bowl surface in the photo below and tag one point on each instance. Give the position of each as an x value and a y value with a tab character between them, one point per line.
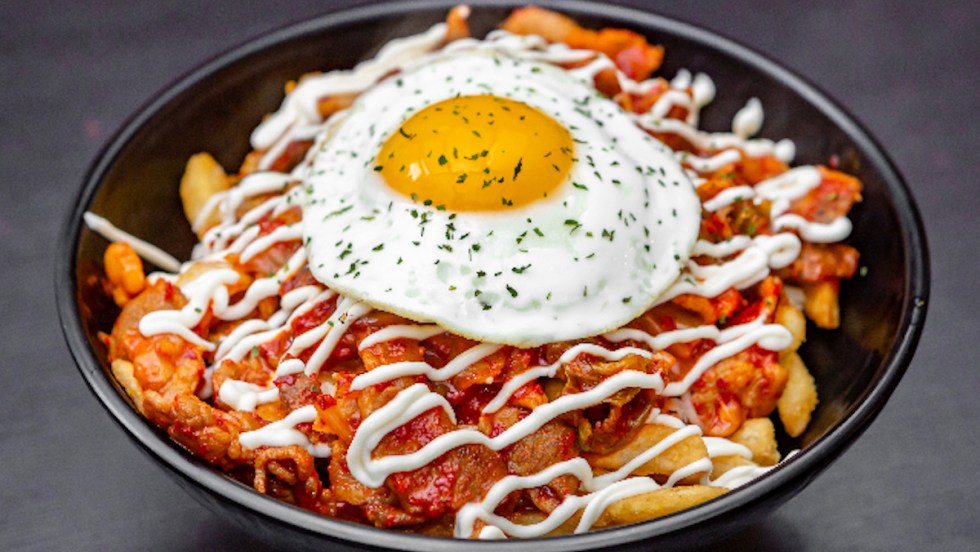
133	182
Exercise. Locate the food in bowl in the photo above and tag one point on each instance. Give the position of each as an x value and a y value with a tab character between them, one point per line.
490	288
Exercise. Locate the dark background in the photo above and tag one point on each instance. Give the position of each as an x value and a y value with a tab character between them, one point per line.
70	73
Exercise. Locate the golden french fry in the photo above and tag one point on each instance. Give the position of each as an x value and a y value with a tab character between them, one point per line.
251	162
553	26
328	105
656	504
821	304
457	25
792	318
799	397
123	370
724	463
759	436
197	269
674	458
203	177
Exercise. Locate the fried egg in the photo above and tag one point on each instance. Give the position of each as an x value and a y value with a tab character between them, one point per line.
501	198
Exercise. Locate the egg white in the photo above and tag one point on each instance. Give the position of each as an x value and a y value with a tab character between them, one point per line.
586	259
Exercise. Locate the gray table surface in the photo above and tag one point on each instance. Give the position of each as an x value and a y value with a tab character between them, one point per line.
70	74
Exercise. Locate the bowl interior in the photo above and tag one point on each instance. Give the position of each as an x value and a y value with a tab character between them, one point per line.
134	183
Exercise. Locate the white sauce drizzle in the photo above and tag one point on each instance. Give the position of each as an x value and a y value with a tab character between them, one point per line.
146	250
388	333
520	380
781	190
815	232
283	433
280	234
241	395
723	447
417	399
199	292
709	164
389	372
748	120
728	196
341	320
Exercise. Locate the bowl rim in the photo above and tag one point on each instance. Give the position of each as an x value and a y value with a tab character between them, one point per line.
799	469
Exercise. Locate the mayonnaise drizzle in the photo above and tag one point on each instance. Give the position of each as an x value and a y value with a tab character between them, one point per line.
200	292
146	250
781	190
417	399
388	333
339	321
748	121
709	164
532	374
283	433
728	196
241	395
389	372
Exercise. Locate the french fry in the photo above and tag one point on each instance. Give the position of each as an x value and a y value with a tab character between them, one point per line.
123	370
203	177
656	504
251	162
456	24
553	26
793	320
799	397
328	105
674	458
821	304
759	436
724	463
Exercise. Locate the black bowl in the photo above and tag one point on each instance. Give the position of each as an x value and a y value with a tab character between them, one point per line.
133	182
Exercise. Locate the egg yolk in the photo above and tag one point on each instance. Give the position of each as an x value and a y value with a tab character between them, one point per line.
477	153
